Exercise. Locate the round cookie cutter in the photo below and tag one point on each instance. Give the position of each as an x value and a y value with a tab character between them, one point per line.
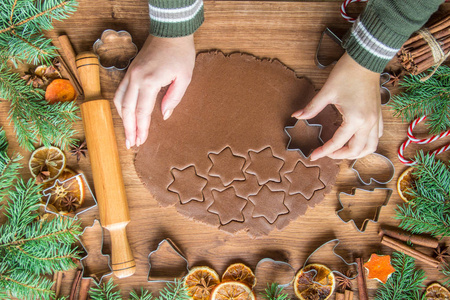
115	49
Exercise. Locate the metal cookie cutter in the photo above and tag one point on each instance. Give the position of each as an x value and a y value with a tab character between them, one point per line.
363	226
58	189
372	161
278	267
168	266
289	146
93	272
115	49
384	77
337	241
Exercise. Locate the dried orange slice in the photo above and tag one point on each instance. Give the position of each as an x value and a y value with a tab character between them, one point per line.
47	163
239	272
405	183
44	215
435	291
232	290
200	281
66	193
314	282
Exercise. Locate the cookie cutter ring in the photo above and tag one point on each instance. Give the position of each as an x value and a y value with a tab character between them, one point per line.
277	262
83	267
367	220
177	252
384	158
290	137
335	254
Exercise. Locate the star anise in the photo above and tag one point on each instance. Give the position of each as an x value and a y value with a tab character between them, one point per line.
394	79
43	174
441	253
343	282
69	203
34	80
78	150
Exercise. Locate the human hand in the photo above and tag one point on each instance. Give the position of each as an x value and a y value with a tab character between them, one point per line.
355	91
161	62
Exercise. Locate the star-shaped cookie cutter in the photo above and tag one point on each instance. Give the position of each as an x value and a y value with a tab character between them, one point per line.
367	220
95	278
48	194
290	137
176	250
382	157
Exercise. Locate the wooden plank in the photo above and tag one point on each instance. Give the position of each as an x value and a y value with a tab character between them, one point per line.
288	31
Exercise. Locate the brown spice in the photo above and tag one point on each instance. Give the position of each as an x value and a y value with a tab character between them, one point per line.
70	203
79	150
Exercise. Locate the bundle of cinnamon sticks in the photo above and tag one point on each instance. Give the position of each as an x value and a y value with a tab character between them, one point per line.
416	54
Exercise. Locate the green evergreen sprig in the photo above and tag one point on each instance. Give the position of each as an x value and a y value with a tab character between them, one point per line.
29	248
274	292
430	98
429	210
405	283
22	41
109	291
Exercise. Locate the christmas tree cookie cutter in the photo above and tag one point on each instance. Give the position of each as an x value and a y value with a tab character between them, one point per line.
305	152
374	161
384	77
337	241
89	199
169	251
101	272
366	221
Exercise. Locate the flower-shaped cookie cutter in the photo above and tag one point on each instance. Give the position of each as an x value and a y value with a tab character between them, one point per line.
88	203
366	221
289	146
174	249
377	157
115	49
84	258
384	77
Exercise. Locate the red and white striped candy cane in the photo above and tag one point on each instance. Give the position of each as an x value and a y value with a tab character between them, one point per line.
413	139
344	8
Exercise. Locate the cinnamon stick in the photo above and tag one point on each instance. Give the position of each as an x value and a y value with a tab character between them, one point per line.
69	53
75	283
339	296
399	246
397	233
361	279
72	78
348	295
84	288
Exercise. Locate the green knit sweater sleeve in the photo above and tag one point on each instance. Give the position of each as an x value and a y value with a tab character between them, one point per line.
383	27
175	18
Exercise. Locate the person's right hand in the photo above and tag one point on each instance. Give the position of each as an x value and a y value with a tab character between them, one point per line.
161	62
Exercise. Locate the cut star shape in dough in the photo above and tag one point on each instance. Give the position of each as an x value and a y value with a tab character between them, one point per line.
268	204
304	180
227	206
187	184
265	166
227	166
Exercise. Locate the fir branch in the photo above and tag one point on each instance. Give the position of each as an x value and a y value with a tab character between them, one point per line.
405	283
430	98
445	270
145	295
174	291
429	210
9	168
274	292
105	291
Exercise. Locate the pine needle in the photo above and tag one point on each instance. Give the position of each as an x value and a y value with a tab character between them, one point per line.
274	292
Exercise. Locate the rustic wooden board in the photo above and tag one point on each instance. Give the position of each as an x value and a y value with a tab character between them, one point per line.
288	31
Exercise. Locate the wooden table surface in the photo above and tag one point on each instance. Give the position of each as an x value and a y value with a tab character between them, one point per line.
288	31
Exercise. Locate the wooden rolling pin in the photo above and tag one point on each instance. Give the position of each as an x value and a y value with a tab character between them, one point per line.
105	164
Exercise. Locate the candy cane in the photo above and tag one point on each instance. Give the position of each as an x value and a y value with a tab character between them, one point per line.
413	139
344	7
